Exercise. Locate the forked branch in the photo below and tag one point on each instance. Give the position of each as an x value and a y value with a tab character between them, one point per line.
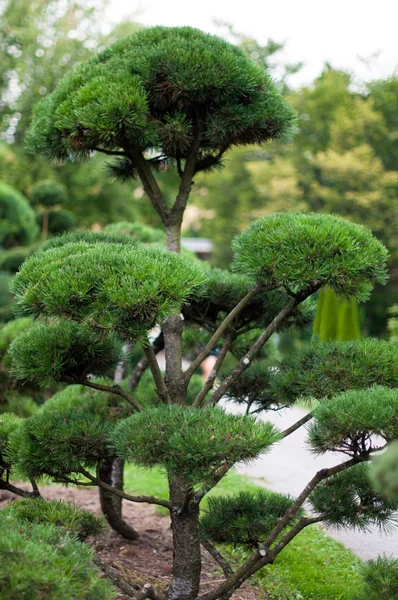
220	331
246	360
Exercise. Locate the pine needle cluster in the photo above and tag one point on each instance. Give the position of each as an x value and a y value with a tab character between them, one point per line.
380	579
43	561
191	442
302	252
349	421
246	518
325	369
124	287
67	517
58	443
63	350
348	499
142	92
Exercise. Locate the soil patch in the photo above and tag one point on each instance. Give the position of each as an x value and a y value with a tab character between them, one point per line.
147	560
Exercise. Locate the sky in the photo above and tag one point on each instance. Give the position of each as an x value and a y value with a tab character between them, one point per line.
341	32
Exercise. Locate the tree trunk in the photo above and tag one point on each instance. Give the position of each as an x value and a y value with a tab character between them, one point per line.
111	472
186	544
173	237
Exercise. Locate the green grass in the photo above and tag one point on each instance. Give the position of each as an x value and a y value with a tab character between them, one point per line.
312	567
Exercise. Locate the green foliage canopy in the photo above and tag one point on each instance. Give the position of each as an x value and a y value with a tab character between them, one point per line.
246	518
325	369
190	441
302	251
347	422
159	88
121	287
355	503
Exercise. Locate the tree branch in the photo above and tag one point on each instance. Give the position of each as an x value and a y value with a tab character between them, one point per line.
220	331
297	425
121	494
143	364
149	182
186	179
110	152
217	366
161	388
270	556
246	360
218	557
5	485
112	389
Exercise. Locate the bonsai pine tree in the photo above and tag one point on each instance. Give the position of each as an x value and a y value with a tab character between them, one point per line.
178	99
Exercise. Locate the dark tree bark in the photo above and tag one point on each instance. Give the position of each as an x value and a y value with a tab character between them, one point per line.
111	472
186	543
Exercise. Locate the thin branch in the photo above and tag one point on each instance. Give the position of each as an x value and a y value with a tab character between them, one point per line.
297	425
161	388
110	152
5	485
246	361
199	494
149	182
121	494
220	331
35	489
218	557
217	366
186	179
113	389
111	574
142	365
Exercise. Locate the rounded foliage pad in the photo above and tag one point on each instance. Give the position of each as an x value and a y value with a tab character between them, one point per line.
66	516
103	405
324	369
190	441
247	518
57	443
125	287
154	89
348	422
349	500
302	252
48	192
63	351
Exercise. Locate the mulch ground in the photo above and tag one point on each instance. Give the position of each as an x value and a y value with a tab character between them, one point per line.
147	560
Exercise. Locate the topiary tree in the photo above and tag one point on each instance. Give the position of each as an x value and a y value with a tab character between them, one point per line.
178	98
48	196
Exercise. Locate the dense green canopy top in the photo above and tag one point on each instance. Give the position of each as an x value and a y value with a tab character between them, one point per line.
161	88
